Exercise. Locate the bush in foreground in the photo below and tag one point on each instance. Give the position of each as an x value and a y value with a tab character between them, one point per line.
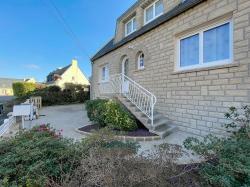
41	155
36	155
118	167
228	158
110	113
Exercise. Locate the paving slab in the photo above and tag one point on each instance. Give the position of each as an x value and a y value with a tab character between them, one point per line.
65	117
175	138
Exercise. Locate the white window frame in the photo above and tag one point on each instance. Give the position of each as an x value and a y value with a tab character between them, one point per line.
132	21
154	16
201	48
106	75
139	67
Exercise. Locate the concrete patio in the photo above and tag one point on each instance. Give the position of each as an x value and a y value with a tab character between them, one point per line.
70	117
65	117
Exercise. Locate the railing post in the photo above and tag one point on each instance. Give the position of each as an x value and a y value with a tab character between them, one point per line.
122	83
152	111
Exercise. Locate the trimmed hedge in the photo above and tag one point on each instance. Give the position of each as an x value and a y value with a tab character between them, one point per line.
110	113
22	88
53	95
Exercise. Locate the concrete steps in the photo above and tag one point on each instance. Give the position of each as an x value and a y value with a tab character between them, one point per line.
162	125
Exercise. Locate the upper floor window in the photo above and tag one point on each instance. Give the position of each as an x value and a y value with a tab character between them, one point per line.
153	11
104	73
130	26
140	61
209	47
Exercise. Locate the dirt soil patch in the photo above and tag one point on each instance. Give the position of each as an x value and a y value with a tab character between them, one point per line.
140	132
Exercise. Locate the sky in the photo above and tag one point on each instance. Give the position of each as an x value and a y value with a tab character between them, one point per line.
33	42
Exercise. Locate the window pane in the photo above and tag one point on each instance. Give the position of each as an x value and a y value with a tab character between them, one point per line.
134	24
141	61
189	54
107	73
216	44
158	8
103	73
150	13
129	27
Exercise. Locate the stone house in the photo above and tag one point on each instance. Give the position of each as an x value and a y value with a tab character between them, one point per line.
68	74
188	60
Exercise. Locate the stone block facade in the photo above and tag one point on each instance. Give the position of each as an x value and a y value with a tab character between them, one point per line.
197	99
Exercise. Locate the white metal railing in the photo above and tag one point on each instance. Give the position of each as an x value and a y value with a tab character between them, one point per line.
6	125
143	99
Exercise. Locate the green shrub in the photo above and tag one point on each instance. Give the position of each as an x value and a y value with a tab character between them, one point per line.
110	113
41	155
228	158
118	118
22	88
53	95
53	89
35	156
96	111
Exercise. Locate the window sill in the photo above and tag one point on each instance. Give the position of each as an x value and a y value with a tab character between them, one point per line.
206	68
147	22
126	35
139	70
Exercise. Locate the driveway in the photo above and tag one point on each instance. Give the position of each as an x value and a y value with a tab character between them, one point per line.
66	118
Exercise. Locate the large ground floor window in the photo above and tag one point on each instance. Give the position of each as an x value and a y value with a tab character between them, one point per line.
208	47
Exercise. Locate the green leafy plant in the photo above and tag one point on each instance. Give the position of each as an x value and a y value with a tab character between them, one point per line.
41	155
96	110
110	113
22	88
118	118
228	158
53	89
34	157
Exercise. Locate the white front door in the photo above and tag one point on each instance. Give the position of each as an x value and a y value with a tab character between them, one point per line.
125	83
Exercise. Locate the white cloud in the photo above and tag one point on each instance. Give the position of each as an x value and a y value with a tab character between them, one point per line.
33	66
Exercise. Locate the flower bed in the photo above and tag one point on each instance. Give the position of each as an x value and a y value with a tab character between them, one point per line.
135	133
140	134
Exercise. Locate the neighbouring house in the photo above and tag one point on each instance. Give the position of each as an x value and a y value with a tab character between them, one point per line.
178	63
69	74
6	85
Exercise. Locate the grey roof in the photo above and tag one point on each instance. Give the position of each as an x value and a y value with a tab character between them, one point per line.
182	7
60	71
137	3
7	82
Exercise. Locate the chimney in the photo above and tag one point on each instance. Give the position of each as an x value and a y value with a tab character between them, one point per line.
74	63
